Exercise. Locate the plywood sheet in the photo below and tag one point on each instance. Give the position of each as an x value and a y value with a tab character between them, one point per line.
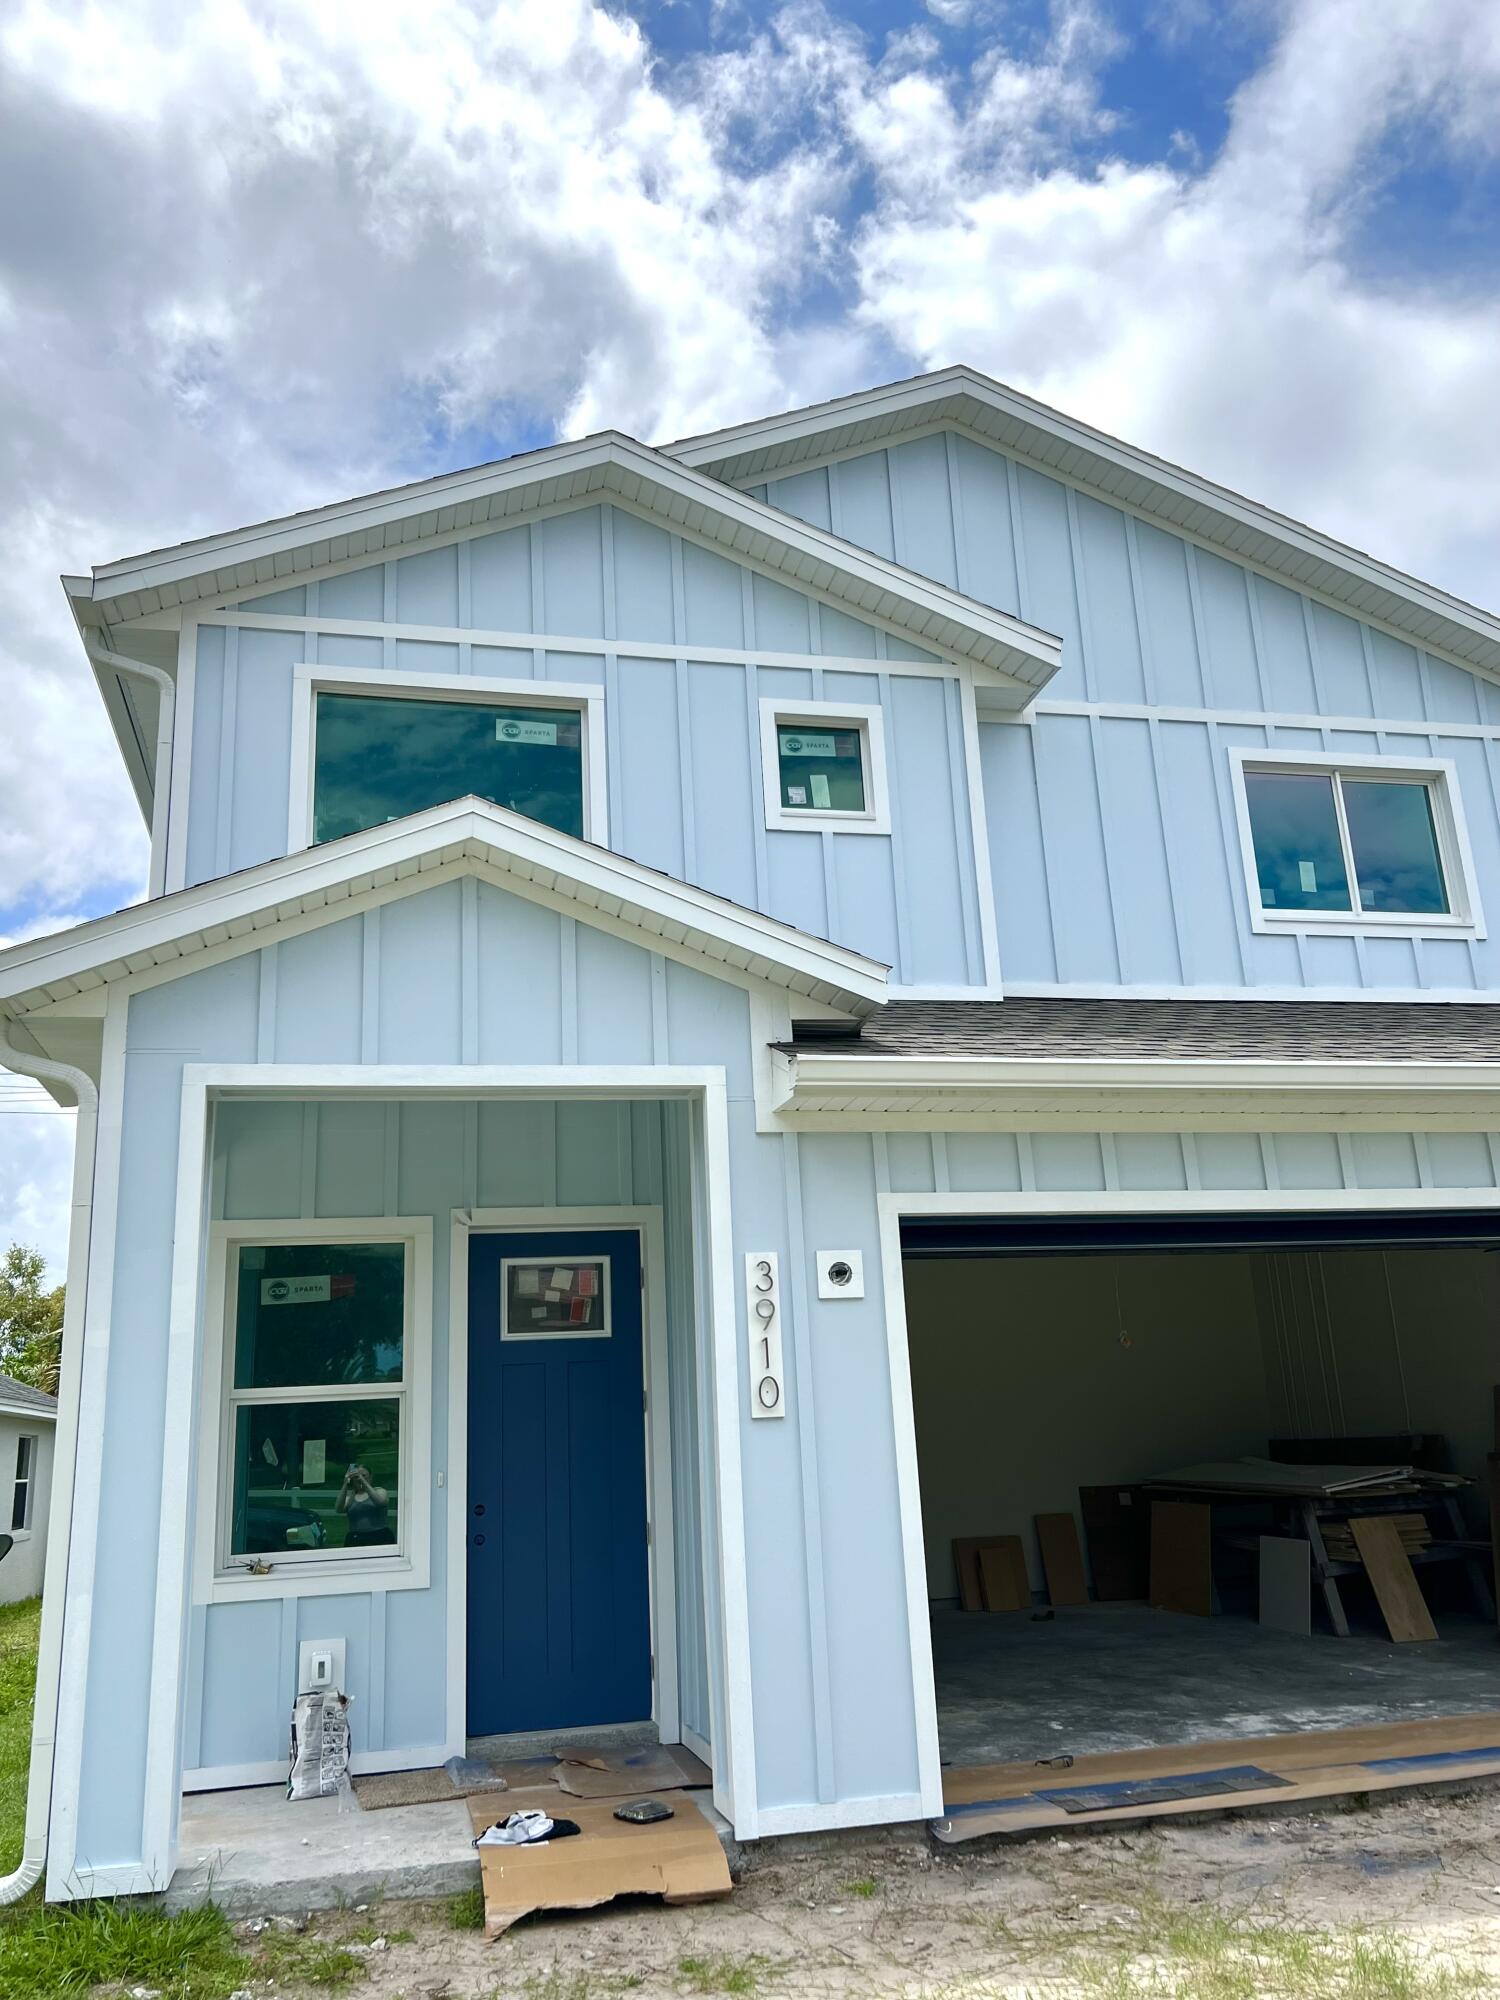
1286	1585
1117	1531
1062	1559
618	1774
1392	1578
680	1859
966	1561
1003	1578
1181	1557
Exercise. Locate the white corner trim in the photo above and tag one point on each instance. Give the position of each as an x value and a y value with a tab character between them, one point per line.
886	1809
869	720
218	1580
1439	774
309	681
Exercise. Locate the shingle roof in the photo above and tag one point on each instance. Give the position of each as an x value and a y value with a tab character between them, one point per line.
21	1396
1171	1030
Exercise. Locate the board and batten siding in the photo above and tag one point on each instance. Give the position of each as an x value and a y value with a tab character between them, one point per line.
683	733
1115	851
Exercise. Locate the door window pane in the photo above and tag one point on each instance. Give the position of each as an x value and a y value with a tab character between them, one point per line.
555	1298
319	1313
1396	861
822	769
378	758
1299	857
311	1475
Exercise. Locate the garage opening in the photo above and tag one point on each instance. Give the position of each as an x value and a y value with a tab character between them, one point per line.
1151	1451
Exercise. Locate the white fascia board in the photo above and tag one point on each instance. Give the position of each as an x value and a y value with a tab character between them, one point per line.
26	1411
1021	657
1099	1092
469	831
750	453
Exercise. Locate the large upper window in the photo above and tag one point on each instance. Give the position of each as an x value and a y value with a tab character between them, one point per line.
1369	841
317	1399
377	757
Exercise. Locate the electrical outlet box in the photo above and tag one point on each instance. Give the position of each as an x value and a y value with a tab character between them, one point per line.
841	1274
320	1664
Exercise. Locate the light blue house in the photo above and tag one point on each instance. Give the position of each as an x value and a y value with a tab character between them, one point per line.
611	910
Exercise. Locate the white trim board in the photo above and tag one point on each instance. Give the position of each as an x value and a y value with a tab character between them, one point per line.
646	1222
309	681
892	1207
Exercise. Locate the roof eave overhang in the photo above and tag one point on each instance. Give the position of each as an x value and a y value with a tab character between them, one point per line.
849	1092
1116	472
470	836
28	1411
1019	657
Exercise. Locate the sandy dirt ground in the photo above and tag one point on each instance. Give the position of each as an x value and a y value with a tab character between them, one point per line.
1113	1913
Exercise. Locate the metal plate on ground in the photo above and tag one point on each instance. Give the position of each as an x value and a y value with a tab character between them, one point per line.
1153	1791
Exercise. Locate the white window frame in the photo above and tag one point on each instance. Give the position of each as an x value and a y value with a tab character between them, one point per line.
309	681
220	1576
606	1300
1464	916
869	720
30	1439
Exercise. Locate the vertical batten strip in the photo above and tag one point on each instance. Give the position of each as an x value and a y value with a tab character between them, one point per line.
660	1050
391	1160
307	1186
752	737
228	721
468	1014
965	835
369	987
379	1668
807	1449
265	1003
684	717
465	570
567	944
389	609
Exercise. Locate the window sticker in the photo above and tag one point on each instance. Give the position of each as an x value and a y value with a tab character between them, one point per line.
314	1461
808	743
553	1301
821	794
1308	872
512	729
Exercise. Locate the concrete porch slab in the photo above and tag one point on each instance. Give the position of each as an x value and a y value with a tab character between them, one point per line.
256	1853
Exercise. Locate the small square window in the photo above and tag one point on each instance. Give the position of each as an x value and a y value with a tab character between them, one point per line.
824	766
1359	844
20	1506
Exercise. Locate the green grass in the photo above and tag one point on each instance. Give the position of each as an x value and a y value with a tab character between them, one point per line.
18	1640
466	1911
68	1948
863	1887
294	1961
725	1974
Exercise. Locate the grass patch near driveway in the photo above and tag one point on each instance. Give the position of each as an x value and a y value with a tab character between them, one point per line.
18	1641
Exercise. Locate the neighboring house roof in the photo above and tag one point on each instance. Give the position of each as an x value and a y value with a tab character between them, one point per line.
1095	1065
19	1399
468	836
748	454
1173	1030
608	465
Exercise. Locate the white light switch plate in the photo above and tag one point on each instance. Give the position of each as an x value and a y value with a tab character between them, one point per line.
320	1664
841	1274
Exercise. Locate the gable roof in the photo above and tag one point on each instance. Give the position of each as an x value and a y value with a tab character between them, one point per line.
19	1399
421	850
747	454
1021	657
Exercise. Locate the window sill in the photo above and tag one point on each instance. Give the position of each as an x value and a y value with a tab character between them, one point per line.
814	821
1367	924
335	1578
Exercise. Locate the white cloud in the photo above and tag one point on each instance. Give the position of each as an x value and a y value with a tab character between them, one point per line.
276	251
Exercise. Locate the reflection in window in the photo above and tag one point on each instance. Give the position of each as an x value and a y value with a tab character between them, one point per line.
378	757
822	770
317	1402
1331	840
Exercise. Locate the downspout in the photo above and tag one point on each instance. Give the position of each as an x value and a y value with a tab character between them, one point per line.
161	781
64	1460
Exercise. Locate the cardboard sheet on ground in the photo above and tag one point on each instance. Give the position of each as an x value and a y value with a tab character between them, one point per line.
627	1774
679	1859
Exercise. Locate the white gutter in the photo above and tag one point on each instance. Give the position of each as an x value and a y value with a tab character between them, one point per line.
161	770
65	1452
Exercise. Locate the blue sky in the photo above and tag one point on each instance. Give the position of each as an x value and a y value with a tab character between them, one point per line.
275	252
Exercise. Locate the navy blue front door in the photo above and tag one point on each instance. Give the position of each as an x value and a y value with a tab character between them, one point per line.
559	1607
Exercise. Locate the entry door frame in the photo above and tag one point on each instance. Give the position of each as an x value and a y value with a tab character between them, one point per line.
645	1221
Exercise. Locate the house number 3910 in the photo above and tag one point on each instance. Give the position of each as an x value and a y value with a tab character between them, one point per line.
763	1317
